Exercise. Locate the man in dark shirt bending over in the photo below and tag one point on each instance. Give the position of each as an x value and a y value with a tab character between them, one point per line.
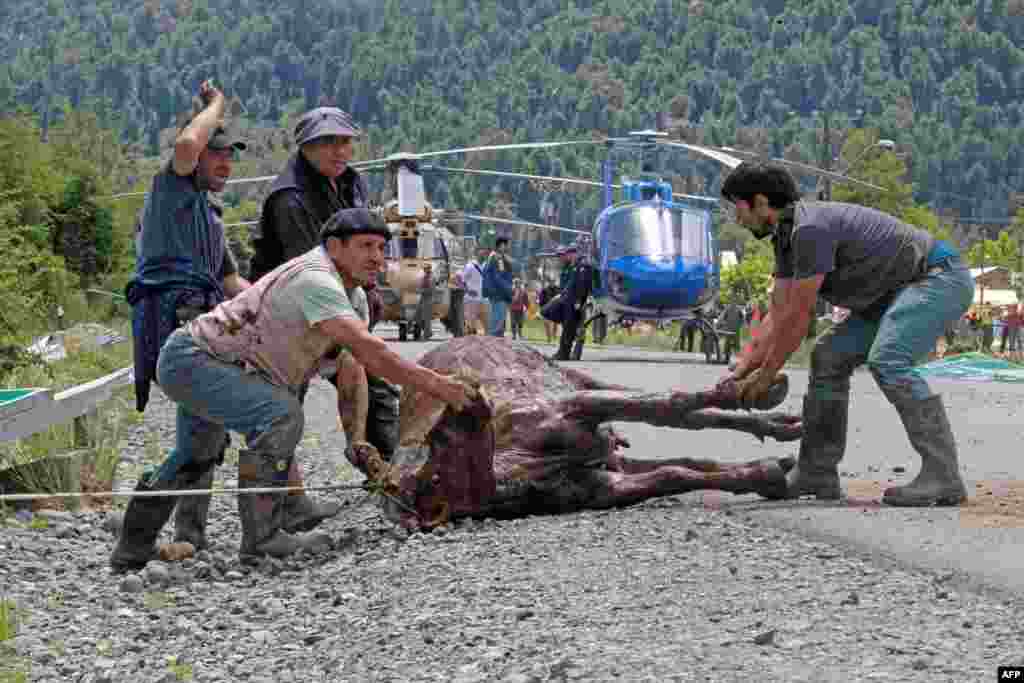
315	183
902	287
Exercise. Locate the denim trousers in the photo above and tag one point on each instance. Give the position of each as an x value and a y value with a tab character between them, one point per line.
499	312
906	332
214	396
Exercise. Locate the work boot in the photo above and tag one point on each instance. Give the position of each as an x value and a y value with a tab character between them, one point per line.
302	513
822	447
192	513
938	482
382	420
143	520
263	514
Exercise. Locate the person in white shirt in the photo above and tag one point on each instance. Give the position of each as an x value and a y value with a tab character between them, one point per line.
476	309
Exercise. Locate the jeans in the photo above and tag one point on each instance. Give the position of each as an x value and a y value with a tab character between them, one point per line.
214	396
890	346
499	311
517	323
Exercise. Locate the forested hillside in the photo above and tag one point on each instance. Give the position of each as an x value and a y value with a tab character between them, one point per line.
942	78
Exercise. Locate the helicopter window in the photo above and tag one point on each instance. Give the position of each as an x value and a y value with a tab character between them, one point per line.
657	231
408	246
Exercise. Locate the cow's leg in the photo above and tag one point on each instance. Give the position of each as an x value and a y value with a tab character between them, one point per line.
639	466
765	477
681	411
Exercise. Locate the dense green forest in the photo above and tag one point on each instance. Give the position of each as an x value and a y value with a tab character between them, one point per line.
941	78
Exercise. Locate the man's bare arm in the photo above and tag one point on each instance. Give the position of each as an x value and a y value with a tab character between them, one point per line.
235	284
792	318
192	141
374	355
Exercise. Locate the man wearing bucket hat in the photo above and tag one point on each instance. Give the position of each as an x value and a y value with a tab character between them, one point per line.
240	368
314	184
184	267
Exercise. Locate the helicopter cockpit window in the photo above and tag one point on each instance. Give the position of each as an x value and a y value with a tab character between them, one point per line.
657	231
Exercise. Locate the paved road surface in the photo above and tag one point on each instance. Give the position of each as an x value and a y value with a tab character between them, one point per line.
985	417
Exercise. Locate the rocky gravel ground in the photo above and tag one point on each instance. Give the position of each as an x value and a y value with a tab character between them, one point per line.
671	590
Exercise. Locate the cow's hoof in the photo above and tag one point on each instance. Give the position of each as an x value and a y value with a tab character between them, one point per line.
772	483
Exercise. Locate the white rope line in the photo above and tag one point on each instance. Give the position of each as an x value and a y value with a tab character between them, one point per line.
176	494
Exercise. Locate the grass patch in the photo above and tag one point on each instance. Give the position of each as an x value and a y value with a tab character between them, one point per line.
182	671
96	438
664	339
158	600
12	668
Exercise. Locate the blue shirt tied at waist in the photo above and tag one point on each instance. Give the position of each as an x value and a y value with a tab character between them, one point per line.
155	295
942	251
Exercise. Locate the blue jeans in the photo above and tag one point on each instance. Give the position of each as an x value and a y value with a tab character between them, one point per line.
499	311
890	346
213	396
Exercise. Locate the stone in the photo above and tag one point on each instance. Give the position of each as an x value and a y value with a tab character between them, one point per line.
132	583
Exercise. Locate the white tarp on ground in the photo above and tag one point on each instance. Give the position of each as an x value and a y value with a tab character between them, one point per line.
995	297
54	346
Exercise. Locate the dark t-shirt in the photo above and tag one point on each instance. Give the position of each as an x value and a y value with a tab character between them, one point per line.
865	255
179	223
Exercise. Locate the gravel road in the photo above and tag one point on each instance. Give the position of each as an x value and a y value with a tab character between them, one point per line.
678	589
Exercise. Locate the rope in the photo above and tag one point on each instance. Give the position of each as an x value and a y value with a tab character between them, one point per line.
186	492
367	486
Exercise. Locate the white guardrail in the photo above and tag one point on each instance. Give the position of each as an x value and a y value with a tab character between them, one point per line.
42	409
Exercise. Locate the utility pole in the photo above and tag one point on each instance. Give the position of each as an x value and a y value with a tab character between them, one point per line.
828	155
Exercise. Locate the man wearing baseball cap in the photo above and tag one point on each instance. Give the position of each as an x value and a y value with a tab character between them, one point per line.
240	368
183	268
314	184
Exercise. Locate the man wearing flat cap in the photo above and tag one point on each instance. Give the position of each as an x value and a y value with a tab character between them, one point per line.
183	268
314	184
240	368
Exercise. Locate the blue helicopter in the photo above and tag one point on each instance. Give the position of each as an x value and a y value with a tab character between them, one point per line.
654	252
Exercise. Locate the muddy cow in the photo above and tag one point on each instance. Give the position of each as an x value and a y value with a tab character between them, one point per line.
538	439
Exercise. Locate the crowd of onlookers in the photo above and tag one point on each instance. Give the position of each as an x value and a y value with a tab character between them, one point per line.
989	329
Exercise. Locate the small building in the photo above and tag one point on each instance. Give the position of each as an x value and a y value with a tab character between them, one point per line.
993	277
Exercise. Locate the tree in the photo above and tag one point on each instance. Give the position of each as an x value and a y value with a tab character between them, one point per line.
1002	252
870	163
748	281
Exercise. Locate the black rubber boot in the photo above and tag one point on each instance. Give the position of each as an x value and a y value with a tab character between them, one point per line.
938	482
143	520
382	420
302	513
821	449
263	514
192	513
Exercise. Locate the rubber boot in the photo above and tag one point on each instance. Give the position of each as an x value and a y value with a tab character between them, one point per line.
192	513
938	482
143	520
302	513
822	447
382	420
263	514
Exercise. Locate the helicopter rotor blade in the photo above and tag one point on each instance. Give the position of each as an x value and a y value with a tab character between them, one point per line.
808	169
726	159
555	179
484	148
528	224
523	176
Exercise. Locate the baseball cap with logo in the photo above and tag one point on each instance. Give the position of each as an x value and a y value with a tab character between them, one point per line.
323	122
221	139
